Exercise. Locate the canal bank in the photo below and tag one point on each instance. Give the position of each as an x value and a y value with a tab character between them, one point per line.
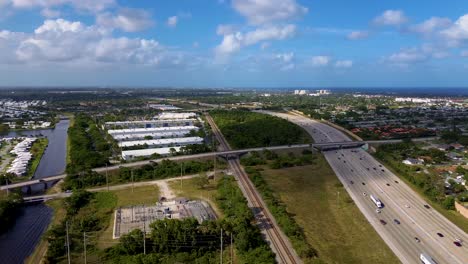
19	242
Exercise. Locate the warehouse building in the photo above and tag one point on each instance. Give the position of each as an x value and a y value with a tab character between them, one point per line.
135	131
165	142
151	123
176	116
146	153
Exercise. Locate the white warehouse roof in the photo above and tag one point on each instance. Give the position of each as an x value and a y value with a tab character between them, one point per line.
163	142
166	116
126	137
130	154
151	130
150	122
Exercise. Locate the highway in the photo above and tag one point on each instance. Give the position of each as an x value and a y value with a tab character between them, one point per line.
279	243
361	173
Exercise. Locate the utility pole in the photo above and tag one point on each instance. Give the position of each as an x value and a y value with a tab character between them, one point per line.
107	179
144	230
232	250
68	243
221	247
181	166
84	246
132	181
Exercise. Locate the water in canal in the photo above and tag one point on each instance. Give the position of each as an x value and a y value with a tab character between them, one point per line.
19	242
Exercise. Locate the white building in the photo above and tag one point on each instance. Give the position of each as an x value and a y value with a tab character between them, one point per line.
176	116
300	92
135	131
131	154
164	107
165	142
151	123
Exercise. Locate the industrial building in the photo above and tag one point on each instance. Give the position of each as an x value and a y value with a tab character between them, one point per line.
127	137
165	142
146	153
150	123
152	130
175	116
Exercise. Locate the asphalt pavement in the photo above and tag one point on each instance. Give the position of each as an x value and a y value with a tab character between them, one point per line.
406	219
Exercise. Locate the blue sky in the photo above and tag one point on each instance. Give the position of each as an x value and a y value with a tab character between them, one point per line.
234	43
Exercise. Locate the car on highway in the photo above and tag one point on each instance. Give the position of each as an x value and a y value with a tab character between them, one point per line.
365	194
407	206
375	168
367	168
380	165
360	158
383	222
440	234
352	170
383	170
396	221
363	183
417	239
396	181
456	243
388	184
351	182
427	206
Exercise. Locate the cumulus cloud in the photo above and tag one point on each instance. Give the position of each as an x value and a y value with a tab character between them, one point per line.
126	19
344	64
354	35
260	12
62	41
234	41
320	61
431	25
391	18
457	31
172	21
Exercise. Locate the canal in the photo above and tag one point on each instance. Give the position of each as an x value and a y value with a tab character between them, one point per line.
19	242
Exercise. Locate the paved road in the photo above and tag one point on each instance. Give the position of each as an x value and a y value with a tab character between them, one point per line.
360	173
279	243
159	183
175	158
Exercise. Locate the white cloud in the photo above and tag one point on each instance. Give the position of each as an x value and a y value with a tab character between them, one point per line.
50	13
430	25
288	67
172	21
285	57
457	31
344	64
126	19
225	29
391	18
407	56
62	41
84	5
260	12
464	53
354	35
234	41
320	61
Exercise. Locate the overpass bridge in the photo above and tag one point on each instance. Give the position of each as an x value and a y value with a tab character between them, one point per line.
224	154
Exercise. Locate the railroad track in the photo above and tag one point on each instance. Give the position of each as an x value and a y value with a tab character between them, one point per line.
279	243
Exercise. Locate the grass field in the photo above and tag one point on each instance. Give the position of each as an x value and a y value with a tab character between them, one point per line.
332	223
189	190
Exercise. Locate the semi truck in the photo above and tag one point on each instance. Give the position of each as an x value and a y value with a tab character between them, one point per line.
376	200
426	259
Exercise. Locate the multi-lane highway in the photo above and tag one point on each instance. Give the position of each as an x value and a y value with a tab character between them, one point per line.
404	223
279	243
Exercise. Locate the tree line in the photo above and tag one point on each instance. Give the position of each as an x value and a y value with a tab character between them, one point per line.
245	129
